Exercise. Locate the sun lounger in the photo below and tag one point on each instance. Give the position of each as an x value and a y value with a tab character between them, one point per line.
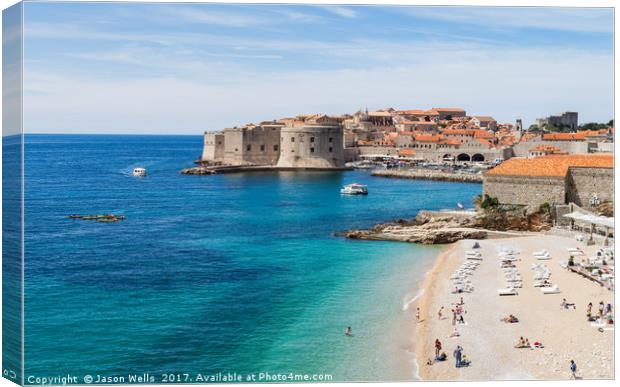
507	292
550	290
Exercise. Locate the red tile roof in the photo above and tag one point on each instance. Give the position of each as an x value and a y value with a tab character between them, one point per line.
552	165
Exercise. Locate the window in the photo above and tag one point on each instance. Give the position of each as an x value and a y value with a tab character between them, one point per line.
262	148
311	150
249	148
331	139
311	139
292	139
275	148
330	149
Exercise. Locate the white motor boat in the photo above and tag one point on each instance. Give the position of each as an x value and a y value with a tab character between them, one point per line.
354	189
139	172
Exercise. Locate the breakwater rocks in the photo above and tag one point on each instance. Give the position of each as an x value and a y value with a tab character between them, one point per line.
419	174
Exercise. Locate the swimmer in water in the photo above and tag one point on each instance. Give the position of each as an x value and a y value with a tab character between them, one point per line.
348	332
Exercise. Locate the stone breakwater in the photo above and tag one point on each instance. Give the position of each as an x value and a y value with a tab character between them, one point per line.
429	175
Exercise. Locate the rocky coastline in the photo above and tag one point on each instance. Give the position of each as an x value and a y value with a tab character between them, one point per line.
447	227
428	175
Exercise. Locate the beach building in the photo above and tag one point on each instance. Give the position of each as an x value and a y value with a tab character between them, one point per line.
552	179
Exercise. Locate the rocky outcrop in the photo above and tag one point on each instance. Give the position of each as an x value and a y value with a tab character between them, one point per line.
437	228
197	171
429	175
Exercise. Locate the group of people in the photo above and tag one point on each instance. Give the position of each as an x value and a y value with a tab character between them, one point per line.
457	314
459	356
604	313
525	343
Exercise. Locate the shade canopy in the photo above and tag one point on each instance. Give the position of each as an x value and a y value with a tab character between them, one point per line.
591	219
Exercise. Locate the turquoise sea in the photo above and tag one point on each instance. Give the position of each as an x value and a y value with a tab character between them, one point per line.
225	273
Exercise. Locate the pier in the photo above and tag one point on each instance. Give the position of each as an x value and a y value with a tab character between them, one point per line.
419	174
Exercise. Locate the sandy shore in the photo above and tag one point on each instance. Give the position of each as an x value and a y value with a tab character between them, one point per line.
488	342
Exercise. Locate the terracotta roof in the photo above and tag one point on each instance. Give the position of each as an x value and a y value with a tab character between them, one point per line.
481	133
427	138
418	112
449	109
484	142
552	165
406	152
450	141
464	132
564	136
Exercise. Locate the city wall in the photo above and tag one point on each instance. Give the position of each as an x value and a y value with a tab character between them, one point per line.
584	183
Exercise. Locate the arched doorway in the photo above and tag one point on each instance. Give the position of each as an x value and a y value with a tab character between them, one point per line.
477	157
463	157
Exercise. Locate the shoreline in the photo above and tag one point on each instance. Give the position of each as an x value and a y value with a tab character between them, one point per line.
427	288
488	342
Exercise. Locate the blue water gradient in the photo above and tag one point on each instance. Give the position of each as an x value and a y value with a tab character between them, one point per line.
223	273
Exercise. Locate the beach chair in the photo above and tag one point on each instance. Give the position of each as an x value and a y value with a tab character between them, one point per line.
507	292
550	290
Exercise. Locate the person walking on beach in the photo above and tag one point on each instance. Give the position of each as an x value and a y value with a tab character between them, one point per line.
601	309
437	348
458	352
440	313
417	315
573	369
608	309
453	317
589	313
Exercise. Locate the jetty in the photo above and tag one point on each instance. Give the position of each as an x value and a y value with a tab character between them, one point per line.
421	174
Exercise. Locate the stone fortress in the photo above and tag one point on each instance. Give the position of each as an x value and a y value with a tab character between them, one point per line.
304	142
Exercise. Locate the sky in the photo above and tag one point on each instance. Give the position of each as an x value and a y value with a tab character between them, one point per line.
158	68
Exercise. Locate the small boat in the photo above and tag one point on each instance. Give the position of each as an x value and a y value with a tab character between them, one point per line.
354	189
139	172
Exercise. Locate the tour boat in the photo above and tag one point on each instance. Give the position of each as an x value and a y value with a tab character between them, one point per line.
354	189
139	172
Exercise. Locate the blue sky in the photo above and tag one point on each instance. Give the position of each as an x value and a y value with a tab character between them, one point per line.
186	68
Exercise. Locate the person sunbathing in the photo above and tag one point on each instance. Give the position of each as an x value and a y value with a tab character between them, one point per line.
510	319
567	305
455	333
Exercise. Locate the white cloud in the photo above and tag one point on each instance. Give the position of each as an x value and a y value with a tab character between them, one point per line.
598	20
341	11
524	83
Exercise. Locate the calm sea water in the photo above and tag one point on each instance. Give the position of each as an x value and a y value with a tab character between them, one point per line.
224	273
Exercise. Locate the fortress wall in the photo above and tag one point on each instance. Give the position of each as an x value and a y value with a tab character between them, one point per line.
312	146
531	191
584	183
